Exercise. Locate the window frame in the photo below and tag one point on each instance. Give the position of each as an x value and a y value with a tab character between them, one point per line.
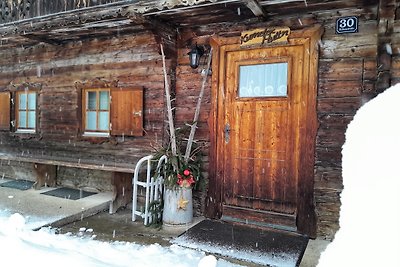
97	132
26	129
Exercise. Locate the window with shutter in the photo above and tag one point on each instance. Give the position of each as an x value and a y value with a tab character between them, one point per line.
5	111
123	115
127	111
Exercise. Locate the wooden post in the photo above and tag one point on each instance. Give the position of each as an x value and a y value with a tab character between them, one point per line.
122	190
45	175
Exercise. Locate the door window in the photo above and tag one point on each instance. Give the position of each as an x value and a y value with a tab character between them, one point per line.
263	80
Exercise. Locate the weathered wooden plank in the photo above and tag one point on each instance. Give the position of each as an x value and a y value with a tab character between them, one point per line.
250	216
331	137
341	70
328	157
345	105
339	88
342	48
370	69
328	121
328	177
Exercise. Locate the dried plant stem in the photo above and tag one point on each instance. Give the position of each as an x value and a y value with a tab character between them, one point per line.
169	106
197	111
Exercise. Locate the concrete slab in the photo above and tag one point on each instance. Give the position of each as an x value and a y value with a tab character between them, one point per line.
313	252
119	227
41	210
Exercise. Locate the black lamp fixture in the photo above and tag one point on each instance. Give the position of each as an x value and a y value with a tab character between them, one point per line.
195	55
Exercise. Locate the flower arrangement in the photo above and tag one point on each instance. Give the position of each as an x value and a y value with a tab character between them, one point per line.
178	172
185	179
182	169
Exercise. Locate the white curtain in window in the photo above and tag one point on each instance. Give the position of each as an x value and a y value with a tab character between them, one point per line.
263	80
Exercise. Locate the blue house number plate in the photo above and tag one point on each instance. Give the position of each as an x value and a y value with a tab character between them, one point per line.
346	25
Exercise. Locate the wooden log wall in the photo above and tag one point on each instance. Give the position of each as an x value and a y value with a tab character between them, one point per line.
121	61
395	45
348	77
15	10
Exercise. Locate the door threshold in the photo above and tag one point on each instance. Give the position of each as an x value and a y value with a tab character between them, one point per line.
259	224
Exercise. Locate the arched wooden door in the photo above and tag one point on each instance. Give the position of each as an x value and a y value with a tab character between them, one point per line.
266	125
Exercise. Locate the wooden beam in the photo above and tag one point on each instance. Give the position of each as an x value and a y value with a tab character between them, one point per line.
42	39
386	18
255	7
278	2
163	32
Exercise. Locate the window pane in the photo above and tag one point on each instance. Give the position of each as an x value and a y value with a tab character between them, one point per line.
31	119
263	80
104	120
22	119
104	99
32	101
22	101
91	120
91	100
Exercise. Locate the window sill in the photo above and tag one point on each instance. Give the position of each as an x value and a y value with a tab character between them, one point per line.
93	134
22	131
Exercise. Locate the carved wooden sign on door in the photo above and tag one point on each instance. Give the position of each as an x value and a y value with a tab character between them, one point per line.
264	36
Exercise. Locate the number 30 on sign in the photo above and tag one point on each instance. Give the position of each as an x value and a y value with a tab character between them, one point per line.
347	25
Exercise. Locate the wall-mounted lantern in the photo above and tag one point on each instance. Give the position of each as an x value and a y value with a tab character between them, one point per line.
195	55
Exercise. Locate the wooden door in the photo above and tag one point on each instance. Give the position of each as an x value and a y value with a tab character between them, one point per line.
264	126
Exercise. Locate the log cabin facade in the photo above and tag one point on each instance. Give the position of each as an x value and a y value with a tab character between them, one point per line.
81	85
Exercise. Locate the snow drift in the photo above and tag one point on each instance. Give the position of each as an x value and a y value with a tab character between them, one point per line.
369	233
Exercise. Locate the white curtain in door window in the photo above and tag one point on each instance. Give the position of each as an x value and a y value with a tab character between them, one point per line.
263	80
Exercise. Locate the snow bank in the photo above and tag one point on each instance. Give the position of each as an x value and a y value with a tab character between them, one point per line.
20	246
369	233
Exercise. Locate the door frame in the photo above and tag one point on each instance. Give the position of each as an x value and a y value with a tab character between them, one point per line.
306	216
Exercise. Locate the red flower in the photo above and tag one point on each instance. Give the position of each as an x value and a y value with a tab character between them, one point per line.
186	172
180	182
191	180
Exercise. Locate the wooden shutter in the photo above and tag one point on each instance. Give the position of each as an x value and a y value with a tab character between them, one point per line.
4	111
127	111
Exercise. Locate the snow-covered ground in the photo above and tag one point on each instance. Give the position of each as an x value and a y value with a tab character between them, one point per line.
20	246
369	233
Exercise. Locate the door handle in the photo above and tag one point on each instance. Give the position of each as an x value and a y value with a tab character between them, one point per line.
227	132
